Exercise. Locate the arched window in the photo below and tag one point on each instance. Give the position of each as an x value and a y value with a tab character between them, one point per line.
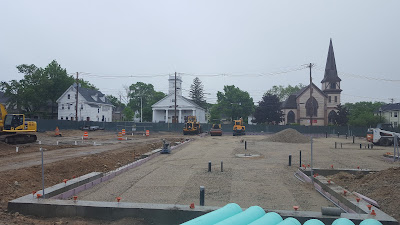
311	107
290	117
331	117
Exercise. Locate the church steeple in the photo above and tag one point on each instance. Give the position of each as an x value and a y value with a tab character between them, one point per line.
331	75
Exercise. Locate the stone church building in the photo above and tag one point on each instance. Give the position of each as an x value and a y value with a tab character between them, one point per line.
320	109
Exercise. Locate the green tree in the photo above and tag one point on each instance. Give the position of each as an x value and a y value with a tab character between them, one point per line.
128	113
145	95
114	101
342	115
55	81
39	89
197	93
362	113
235	103
284	92
269	110
215	113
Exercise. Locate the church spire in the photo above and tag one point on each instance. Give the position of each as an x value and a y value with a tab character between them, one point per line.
330	68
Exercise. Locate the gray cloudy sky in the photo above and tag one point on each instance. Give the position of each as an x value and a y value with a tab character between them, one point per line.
244	43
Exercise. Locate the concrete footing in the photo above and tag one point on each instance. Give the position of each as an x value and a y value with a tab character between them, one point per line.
58	203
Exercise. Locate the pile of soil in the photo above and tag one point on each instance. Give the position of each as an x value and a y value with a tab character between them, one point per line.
288	136
380	186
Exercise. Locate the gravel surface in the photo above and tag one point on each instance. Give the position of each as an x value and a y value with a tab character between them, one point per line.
265	181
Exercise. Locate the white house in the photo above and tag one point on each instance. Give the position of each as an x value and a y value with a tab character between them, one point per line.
92	105
391	113
164	110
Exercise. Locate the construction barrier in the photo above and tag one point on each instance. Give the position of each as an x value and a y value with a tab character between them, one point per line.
123	132
57	132
147	133
120	136
85	135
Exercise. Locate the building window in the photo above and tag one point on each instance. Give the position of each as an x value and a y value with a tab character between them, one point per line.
333	85
335	98
81	106
62	106
394	114
69	107
395	124
330	99
66	118
98	110
290	117
172	100
62	118
311	107
69	96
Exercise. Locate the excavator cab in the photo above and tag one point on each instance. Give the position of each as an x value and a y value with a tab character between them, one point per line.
15	129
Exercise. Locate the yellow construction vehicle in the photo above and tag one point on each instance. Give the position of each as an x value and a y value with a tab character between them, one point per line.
15	129
216	130
192	126
238	128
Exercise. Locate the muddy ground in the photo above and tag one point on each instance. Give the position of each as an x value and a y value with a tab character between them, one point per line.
67	160
26	179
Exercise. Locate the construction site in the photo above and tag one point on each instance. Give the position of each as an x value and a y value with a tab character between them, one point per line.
102	177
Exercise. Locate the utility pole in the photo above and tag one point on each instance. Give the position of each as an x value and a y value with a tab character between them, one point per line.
175	99
311	98
76	97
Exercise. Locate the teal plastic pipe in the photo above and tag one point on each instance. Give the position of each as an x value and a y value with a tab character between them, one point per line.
342	221
370	222
270	218
216	216
313	222
290	221
246	217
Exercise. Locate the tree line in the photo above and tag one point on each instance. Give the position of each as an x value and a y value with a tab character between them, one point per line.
41	87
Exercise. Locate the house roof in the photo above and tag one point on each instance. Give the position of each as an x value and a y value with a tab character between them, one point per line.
330	68
290	102
179	96
87	95
389	107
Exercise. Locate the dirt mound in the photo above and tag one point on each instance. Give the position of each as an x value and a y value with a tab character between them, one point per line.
378	186
288	136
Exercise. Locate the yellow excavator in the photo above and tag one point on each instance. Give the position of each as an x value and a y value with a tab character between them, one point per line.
15	129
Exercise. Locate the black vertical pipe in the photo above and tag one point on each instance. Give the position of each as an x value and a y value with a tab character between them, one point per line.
202	195
209	166
300	159
245	144
335	145
222	166
360	146
290	160
326	134
341	145
337	134
353	139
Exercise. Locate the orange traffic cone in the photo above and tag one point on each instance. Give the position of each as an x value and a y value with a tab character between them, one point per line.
57	132
123	132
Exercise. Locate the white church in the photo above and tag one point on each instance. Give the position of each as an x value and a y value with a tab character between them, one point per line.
164	110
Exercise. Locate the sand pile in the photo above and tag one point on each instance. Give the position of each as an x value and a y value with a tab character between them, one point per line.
288	136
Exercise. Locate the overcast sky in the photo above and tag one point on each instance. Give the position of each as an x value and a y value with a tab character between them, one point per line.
243	43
